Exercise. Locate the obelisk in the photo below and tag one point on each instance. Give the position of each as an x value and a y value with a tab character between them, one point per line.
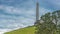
37	10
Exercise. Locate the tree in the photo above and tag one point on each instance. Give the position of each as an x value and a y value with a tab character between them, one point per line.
49	23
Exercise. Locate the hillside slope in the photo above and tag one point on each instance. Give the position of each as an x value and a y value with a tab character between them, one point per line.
27	30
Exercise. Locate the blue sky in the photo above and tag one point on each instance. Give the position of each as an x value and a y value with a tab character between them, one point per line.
21	13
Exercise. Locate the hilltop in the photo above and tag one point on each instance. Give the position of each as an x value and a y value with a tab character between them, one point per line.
26	30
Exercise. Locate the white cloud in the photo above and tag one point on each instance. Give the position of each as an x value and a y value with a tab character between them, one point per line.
2	31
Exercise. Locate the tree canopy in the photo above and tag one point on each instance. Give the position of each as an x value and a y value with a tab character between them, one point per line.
49	23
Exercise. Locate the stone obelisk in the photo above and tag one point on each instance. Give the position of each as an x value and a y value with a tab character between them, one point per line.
37	12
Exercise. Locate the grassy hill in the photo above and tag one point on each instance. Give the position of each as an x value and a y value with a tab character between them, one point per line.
27	30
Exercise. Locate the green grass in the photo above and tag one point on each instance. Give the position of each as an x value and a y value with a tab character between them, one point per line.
27	30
